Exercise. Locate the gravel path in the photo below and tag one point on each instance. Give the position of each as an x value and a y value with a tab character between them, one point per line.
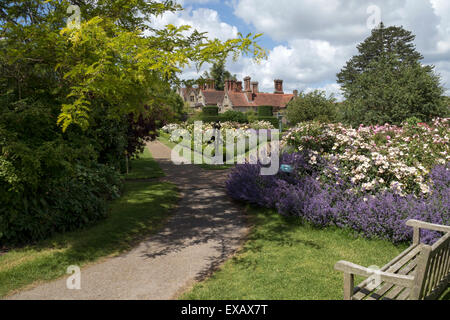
205	229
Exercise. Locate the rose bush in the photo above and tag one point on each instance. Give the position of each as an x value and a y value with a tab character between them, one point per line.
371	179
377	158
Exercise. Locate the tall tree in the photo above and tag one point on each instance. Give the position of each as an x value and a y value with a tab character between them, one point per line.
219	74
382	41
386	81
74	98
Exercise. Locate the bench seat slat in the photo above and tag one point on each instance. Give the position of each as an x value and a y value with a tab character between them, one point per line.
404	295
419	272
361	291
390	291
360	296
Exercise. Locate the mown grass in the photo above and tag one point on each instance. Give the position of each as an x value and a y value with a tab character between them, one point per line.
144	167
164	138
141	211
284	259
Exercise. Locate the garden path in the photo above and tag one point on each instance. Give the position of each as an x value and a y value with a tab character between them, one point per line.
205	229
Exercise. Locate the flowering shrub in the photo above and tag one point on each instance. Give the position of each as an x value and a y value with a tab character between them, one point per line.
380	215
381	158
371	179
240	130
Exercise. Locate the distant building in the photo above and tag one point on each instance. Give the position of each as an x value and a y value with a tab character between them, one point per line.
236	97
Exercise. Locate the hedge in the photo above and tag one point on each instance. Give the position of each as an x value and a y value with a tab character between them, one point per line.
273	120
265	111
209	119
210	111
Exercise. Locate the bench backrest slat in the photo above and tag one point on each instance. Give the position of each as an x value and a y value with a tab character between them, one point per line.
437	267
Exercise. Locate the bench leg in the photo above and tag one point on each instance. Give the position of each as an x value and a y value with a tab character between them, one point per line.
349	285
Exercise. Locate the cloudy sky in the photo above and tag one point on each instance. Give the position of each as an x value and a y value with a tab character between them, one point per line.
309	41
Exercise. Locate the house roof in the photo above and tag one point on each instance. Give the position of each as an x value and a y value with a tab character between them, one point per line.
213	97
240	99
186	92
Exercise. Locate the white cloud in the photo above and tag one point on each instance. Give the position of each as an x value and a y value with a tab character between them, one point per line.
202	19
318	36
321	35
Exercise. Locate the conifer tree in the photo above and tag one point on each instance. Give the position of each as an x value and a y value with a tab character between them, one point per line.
386	81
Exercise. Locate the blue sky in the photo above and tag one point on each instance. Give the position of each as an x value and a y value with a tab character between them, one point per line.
310	40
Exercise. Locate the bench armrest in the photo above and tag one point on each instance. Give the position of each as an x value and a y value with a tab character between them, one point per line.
427	226
392	278
418	225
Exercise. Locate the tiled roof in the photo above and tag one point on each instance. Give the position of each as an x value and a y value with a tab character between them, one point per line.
274	100
213	97
239	99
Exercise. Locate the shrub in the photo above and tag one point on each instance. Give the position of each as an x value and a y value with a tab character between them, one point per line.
209	114
210	111
64	204
382	215
370	179
233	116
378	158
311	107
273	120
251	116
265	111
50	181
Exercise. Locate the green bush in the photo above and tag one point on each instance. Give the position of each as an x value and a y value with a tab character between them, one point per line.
313	106
58	205
209	114
210	111
273	120
251	116
208	119
265	111
49	181
234	116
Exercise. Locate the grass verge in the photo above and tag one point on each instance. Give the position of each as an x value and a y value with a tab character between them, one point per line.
163	138
285	260
144	167
141	211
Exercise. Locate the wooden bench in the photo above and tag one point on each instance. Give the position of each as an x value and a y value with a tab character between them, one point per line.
420	272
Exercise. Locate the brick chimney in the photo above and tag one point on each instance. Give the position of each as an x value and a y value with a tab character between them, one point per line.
233	87
278	86
211	84
227	85
247	81
255	89
239	86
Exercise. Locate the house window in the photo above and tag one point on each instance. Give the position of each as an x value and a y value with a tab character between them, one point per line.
192	98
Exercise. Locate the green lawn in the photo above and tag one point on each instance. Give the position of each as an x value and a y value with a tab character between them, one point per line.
144	167
142	210
164	139
283	259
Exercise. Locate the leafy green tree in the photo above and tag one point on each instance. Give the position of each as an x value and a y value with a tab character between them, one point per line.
386	83
393	92
311	106
219	74
74	100
391	40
